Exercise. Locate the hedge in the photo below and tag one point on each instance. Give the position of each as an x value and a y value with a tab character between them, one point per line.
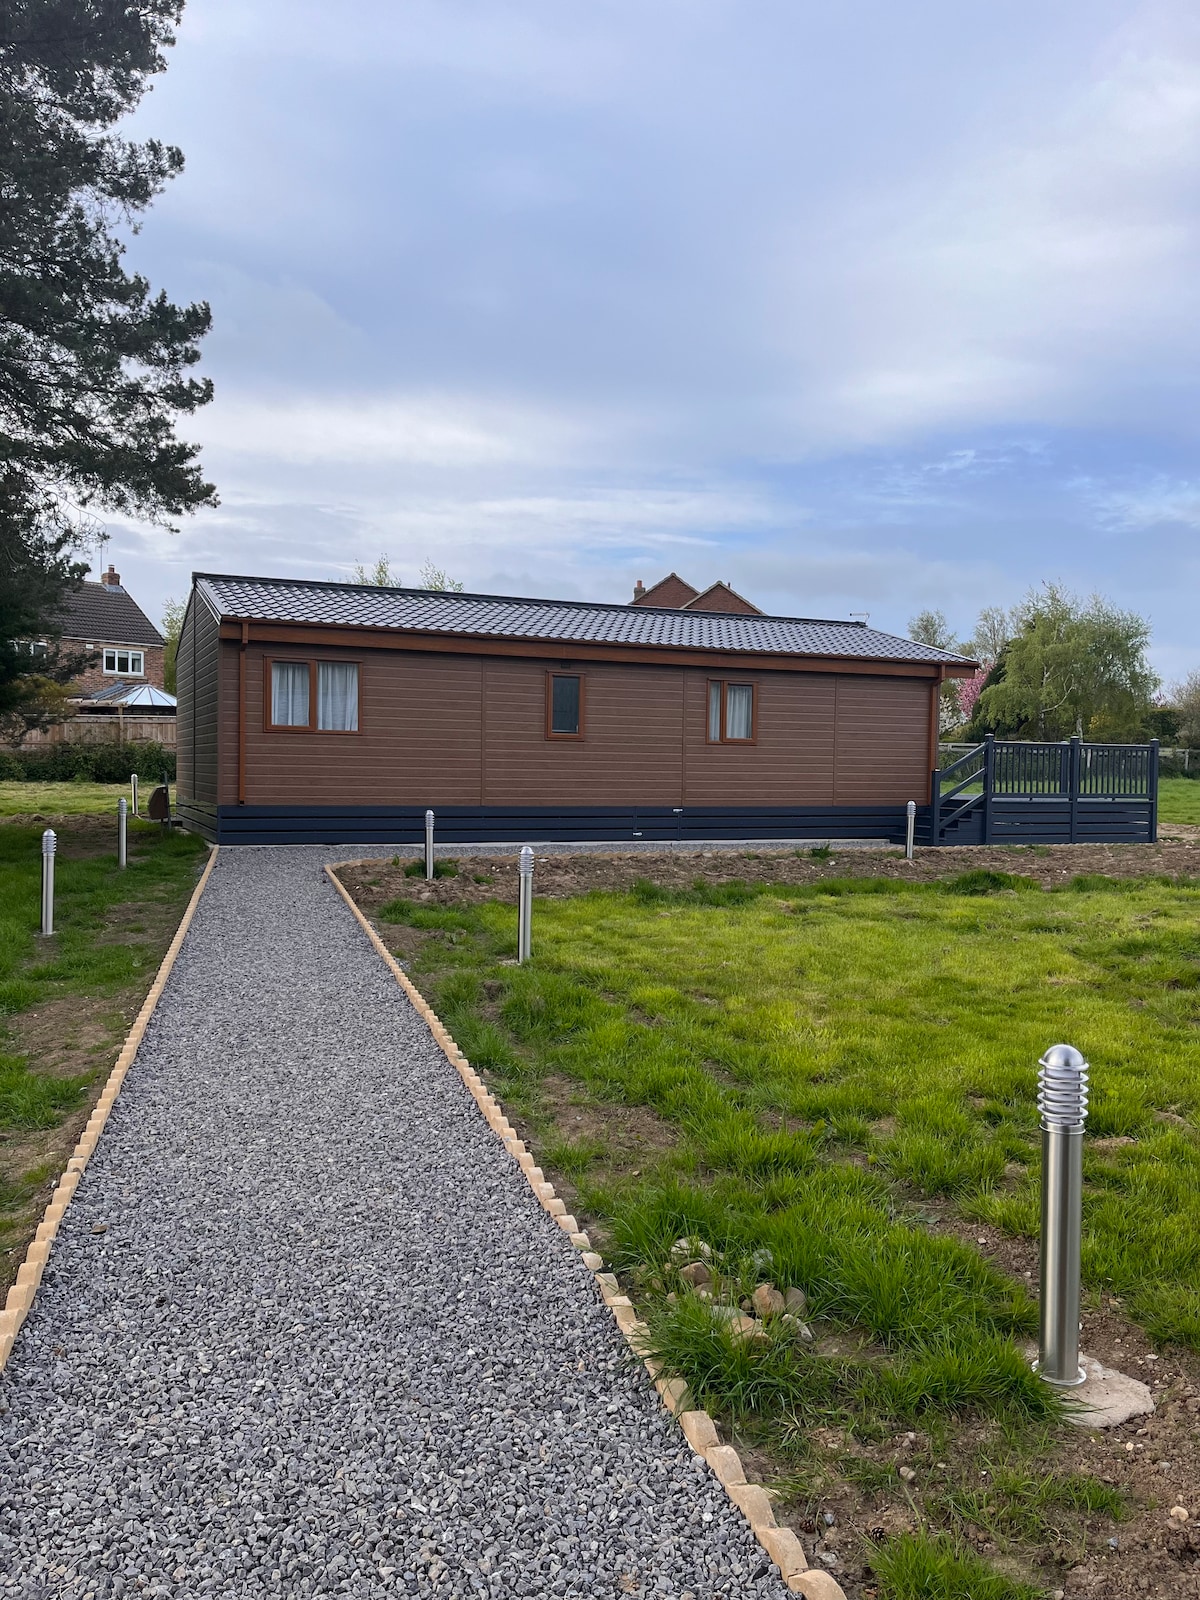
97	763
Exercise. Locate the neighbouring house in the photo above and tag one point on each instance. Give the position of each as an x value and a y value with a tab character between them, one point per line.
676	594
120	695
105	618
335	712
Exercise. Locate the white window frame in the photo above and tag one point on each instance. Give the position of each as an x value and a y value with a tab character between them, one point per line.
115	652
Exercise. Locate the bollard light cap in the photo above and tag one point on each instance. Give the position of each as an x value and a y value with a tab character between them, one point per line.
526	861
1063	1089
49	841
429	816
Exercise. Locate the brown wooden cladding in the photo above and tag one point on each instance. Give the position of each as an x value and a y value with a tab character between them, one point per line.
198	724
454	729
874	717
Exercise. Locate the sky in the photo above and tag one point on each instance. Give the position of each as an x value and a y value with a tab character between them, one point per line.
863	308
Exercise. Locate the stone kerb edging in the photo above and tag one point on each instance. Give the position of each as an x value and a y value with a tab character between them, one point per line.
29	1274
699	1429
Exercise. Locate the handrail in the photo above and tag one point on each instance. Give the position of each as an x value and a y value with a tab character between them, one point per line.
974	777
1065	770
973	804
954	765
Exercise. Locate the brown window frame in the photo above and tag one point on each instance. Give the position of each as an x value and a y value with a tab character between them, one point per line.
726	684
310	726
562	673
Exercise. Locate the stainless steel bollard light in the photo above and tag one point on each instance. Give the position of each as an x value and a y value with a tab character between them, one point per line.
1062	1105
911	834
428	846
525	906
133	794
122	831
49	845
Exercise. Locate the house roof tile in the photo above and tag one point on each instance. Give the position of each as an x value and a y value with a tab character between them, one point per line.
492	616
103	613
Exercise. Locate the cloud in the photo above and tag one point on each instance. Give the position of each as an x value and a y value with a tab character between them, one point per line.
1163	502
1024	279
382	430
861	307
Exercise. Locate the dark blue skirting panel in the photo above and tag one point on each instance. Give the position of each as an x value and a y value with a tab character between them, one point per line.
405	825
1054	819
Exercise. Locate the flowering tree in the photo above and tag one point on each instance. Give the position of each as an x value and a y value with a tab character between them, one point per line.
968	691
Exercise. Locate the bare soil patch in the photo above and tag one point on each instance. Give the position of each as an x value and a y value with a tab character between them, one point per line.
374	883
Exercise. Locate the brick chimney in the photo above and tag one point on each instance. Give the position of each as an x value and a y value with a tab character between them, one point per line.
639	590
112	578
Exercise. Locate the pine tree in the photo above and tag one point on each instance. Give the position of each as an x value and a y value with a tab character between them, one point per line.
95	367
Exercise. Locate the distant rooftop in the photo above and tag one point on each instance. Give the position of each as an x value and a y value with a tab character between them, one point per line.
104	613
123	694
490	616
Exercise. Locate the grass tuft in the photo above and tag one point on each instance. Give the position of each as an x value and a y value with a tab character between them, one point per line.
927	1566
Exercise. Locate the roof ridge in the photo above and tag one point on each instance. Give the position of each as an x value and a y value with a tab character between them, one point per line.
534	600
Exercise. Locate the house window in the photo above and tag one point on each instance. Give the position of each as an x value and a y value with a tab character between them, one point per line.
34	647
731	713
337	696
128	663
564	705
321	695
290	694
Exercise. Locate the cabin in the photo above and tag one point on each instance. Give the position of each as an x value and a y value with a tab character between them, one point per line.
337	713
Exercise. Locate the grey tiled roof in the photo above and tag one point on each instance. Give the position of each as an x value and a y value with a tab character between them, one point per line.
493	616
99	613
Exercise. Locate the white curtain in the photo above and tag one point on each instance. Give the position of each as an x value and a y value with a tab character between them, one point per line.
739	711
714	713
289	694
337	696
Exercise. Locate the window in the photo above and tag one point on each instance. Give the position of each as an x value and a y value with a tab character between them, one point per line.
298	689
731	713
564	705
125	662
337	696
289	694
34	647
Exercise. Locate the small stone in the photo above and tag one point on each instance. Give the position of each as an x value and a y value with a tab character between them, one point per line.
908	1475
762	1260
101	1227
768	1301
739	1326
689	1250
696	1275
1179	1514
795	1301
798	1330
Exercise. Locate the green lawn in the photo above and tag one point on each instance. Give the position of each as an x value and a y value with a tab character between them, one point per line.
807	1064
780	1032
66	1002
64	799
1179	800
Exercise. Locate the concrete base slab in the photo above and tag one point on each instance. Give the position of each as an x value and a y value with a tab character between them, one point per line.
1106	1397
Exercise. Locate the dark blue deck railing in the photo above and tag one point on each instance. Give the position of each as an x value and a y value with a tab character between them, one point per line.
963	795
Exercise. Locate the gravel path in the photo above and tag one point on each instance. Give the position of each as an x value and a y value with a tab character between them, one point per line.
305	1330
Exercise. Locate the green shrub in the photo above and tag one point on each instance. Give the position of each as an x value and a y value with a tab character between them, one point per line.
94	763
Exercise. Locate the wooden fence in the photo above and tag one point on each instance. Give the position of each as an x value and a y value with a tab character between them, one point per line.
111	728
